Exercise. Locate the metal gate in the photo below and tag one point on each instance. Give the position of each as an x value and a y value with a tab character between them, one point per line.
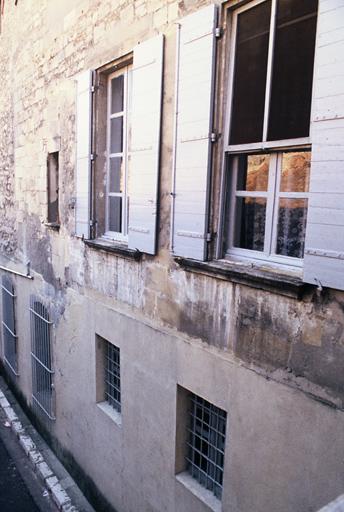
8	325
41	356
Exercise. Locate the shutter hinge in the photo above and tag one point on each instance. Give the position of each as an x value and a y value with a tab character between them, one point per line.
209	237
218	32
93	222
92	157
93	88
214	137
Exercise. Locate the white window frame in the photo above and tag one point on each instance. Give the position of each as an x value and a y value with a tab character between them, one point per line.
272	195
264	144
275	148
114	235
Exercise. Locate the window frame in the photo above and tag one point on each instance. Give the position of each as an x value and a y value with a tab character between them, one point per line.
53	156
264	144
276	148
272	195
124	154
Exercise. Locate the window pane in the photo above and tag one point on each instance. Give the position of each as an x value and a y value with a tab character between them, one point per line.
250	223
53	206
295	172
292	76
253	172
292	217
115	214
250	74
117	94
116	135
288	10
116	178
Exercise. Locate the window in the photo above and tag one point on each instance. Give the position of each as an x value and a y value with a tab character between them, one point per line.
8	325
41	357
206	444
53	188
112	140
108	375
267	149
112	377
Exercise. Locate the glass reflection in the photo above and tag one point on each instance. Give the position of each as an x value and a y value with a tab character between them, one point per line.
291	228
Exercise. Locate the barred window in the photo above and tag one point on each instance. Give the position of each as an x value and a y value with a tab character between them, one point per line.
8	325
206	444
41	356
112	378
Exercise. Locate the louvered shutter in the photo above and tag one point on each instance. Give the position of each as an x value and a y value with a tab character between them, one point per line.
145	144
194	124
324	251
83	150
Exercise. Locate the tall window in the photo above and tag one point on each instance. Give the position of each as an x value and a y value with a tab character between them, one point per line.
267	150
206	444
112	375
53	188
41	357
9	325
118	132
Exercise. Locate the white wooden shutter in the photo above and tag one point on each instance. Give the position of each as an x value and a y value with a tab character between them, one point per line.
145	144
83	150
324	251
194	124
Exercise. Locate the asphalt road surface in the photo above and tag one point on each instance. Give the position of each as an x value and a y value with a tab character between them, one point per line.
20	489
14	495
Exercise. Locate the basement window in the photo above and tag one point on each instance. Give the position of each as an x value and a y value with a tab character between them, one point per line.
200	447
41	359
108	378
53	189
9	325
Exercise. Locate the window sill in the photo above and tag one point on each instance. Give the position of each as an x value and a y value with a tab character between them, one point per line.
114	415
275	280
52	225
199	491
115	248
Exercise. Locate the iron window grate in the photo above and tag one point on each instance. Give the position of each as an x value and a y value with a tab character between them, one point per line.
8	325
41	358
112	376
206	444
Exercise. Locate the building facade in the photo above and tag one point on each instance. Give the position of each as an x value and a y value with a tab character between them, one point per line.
172	246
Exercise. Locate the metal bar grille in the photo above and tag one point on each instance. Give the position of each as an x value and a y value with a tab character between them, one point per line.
41	358
206	444
8	325
112	378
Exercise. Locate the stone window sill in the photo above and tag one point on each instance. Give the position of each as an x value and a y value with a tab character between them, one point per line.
52	225
115	248
260	277
200	492
114	415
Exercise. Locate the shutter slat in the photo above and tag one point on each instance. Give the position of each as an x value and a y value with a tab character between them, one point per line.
83	149
193	127
324	247
145	144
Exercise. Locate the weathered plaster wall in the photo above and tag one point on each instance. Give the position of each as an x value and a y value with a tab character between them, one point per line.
202	332
40	57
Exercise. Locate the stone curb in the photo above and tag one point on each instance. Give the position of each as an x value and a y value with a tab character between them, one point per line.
43	471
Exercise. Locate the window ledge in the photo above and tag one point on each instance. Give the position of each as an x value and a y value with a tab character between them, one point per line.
262	278
115	248
199	491
114	415
52	225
